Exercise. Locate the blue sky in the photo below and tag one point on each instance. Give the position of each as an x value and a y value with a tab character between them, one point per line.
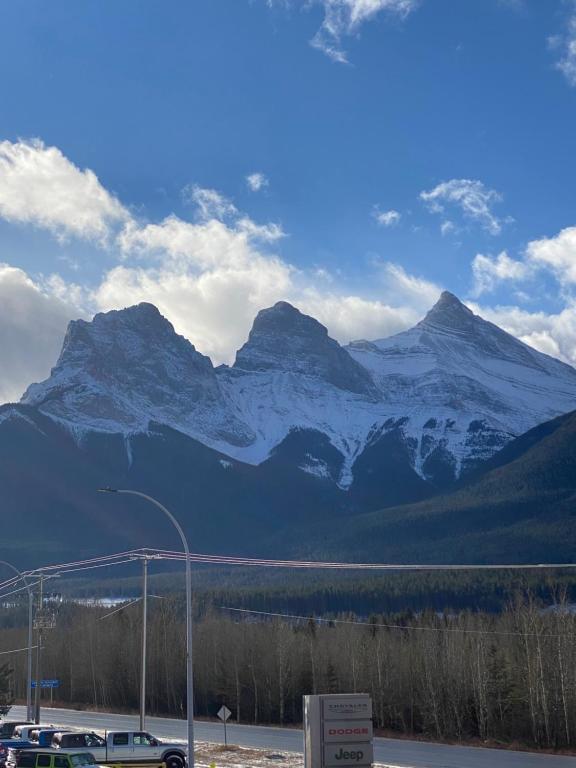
403	146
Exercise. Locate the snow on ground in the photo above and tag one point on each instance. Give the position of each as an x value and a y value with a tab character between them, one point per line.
243	757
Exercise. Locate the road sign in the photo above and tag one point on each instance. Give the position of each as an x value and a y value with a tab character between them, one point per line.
224	713
44	619
47	683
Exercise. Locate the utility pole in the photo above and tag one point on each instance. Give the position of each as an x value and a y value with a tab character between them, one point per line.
30	636
29	660
144	632
39	612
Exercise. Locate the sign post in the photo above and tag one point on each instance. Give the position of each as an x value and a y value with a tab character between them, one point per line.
338	731
224	713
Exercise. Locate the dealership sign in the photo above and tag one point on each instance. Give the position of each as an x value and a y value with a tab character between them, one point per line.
348	754
338	730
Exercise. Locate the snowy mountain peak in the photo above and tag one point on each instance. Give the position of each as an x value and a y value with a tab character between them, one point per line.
465	384
283	319
448	312
284	339
451	323
128	367
136	341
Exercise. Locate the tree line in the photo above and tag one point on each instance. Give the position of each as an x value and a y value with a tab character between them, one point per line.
507	677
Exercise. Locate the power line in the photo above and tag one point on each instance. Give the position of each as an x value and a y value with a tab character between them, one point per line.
121	608
17	650
389	626
121	558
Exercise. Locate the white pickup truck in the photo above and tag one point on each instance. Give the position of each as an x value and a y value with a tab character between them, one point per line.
122	747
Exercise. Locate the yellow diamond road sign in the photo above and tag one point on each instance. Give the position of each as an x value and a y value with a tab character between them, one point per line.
224	713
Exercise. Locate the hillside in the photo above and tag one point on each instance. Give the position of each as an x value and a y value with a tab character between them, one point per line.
521	508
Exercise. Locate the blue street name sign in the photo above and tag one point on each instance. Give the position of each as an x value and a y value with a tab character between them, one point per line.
47	683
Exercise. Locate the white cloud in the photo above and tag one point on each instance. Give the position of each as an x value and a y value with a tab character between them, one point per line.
211	278
210	204
489	272
404	299
557	254
387	218
40	186
256	181
349	318
554	334
566	44
471	197
446	227
343	18
33	322
408	290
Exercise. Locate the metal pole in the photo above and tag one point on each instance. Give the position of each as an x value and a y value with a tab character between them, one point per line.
189	677
39	654
144	630
30	639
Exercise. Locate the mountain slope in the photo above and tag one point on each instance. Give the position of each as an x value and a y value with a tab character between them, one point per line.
464	387
522	509
53	512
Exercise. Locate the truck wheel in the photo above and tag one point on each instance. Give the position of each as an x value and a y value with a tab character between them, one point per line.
174	760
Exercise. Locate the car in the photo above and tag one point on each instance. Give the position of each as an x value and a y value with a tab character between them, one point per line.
122	747
22	758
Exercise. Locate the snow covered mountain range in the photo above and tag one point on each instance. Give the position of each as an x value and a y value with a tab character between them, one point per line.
428	404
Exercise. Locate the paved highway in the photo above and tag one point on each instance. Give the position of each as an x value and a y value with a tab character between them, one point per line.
391	752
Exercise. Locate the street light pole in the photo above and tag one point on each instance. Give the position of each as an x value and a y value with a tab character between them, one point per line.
39	615
189	677
30	617
144	630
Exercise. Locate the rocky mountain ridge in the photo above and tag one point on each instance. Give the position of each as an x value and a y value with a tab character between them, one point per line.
429	403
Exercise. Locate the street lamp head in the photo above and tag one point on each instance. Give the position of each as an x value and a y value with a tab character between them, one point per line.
107	490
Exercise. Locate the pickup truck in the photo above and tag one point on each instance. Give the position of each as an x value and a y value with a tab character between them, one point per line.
26	732
122	747
7	728
32	737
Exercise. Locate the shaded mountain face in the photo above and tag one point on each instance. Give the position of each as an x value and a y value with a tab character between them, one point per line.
53	513
519	509
283	339
297	419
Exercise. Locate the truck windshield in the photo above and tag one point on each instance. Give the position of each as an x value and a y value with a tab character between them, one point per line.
84	758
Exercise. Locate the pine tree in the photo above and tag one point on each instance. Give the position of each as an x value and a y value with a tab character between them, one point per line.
6	695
